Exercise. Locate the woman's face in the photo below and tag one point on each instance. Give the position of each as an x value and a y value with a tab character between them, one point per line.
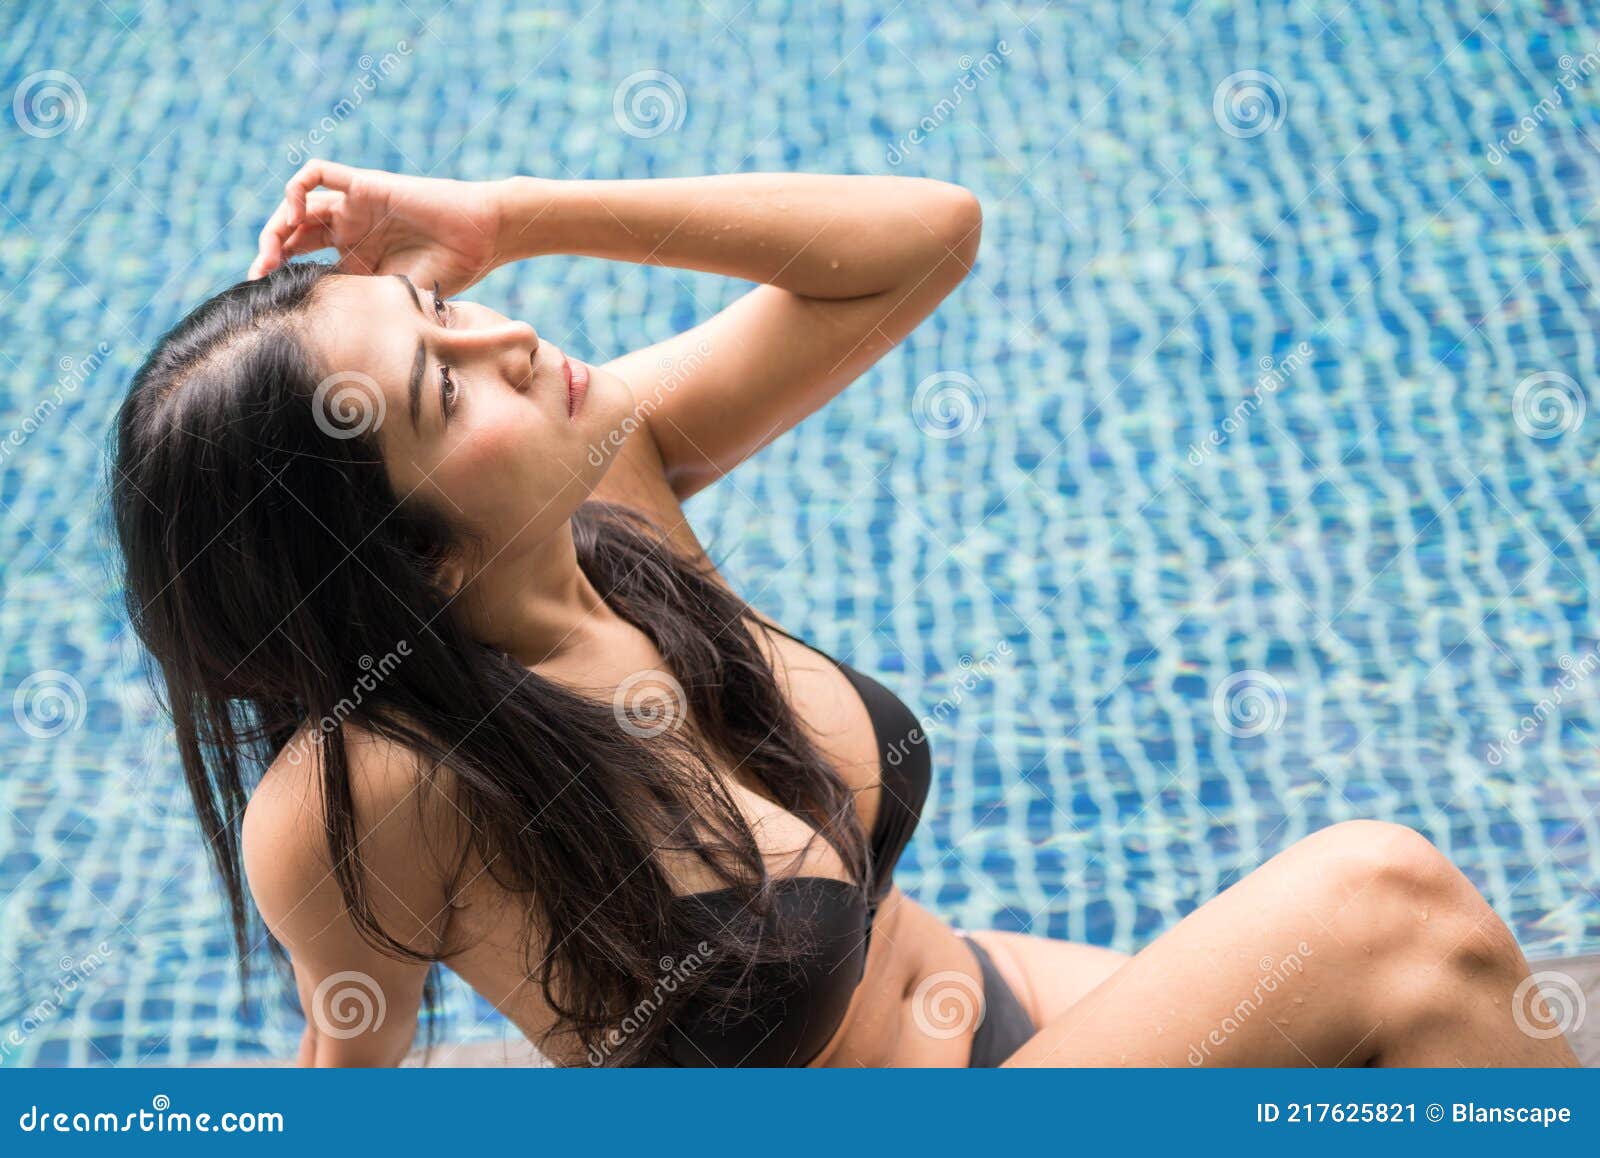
476	415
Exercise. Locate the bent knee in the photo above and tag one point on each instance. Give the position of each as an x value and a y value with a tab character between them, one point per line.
1398	892
1375	860
1381	882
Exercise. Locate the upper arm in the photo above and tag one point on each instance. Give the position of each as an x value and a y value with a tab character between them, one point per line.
717	393
361	1001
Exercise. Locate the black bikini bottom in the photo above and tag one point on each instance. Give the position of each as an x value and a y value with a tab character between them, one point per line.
1005	1025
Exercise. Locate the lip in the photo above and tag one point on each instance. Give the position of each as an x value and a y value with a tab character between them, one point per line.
577	375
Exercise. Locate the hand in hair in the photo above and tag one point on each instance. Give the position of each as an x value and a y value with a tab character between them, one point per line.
426	228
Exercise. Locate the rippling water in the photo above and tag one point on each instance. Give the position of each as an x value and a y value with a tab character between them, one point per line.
1208	512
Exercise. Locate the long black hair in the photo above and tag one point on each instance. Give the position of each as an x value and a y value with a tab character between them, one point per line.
270	563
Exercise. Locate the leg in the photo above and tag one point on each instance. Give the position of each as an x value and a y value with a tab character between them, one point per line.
1361	945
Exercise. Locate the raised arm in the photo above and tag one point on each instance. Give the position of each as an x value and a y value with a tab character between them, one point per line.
849	266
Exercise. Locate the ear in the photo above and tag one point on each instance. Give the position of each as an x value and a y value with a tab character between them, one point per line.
451	575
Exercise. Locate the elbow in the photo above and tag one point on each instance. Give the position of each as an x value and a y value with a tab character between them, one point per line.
958	226
358	1033
370	1051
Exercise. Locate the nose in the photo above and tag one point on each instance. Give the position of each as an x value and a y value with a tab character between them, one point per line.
495	332
511	345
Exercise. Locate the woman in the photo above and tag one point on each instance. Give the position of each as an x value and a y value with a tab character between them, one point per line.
433	576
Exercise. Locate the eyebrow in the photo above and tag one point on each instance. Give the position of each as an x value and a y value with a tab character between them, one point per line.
418	363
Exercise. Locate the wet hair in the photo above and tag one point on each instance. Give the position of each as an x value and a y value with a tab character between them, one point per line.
270	563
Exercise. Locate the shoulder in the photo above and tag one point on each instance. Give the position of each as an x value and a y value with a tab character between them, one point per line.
281	836
402	836
360	995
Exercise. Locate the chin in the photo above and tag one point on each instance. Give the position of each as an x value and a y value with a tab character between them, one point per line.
607	419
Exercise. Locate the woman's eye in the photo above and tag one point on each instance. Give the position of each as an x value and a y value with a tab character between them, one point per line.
448	391
441	308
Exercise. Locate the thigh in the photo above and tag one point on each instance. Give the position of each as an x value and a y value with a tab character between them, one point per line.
1048	976
1275	971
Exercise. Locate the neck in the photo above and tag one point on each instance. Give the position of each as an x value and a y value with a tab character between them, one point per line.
539	606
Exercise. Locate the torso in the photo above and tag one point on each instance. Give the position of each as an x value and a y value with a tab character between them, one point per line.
907	943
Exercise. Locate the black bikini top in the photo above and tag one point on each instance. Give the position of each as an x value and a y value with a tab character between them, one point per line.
796	1008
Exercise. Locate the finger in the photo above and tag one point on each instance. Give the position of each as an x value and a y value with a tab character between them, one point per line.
313	173
322	206
281	241
307	238
269	245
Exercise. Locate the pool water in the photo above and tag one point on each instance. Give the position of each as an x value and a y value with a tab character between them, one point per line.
1245	487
